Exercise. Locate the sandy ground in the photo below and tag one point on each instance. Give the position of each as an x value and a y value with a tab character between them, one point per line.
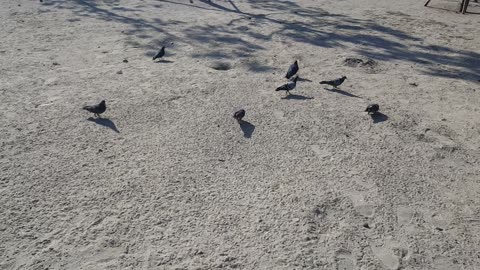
169	180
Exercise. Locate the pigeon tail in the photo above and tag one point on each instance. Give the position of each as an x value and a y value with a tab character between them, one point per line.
324	82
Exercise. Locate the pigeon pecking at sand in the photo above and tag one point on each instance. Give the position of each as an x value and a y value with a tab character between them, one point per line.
160	54
97	109
289	86
292	70
372	108
335	83
239	115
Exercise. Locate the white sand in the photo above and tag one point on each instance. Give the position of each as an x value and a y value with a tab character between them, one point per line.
179	186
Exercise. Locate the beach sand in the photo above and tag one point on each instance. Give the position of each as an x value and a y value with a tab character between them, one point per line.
167	179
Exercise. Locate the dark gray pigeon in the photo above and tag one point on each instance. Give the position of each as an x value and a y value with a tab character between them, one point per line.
335	83
289	86
239	115
372	108
160	54
97	109
292	70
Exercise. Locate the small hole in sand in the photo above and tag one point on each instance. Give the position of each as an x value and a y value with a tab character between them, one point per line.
359	62
221	66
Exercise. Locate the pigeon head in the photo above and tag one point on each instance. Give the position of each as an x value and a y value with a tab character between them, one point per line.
102	103
295	79
296	62
163	48
344	77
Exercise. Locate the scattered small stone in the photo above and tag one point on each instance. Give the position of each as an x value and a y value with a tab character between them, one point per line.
443	119
125	61
414	84
100	150
439	229
365	225
222	160
55	64
119	72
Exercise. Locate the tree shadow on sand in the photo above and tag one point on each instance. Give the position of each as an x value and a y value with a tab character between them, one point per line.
247	33
104	122
247	128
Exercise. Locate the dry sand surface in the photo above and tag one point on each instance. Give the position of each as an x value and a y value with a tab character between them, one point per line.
169	180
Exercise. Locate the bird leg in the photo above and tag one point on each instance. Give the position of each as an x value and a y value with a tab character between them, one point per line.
288	93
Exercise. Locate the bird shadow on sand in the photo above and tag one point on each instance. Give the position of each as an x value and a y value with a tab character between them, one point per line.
378	117
163	61
341	92
300	79
247	128
104	122
296	97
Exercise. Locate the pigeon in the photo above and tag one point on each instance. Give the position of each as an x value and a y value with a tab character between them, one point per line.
292	70
335	83
290	85
160	54
372	108
97	109
239	115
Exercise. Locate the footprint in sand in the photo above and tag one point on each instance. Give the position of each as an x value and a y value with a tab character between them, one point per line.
344	260
404	215
360	205
279	115
321	152
390	253
444	263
